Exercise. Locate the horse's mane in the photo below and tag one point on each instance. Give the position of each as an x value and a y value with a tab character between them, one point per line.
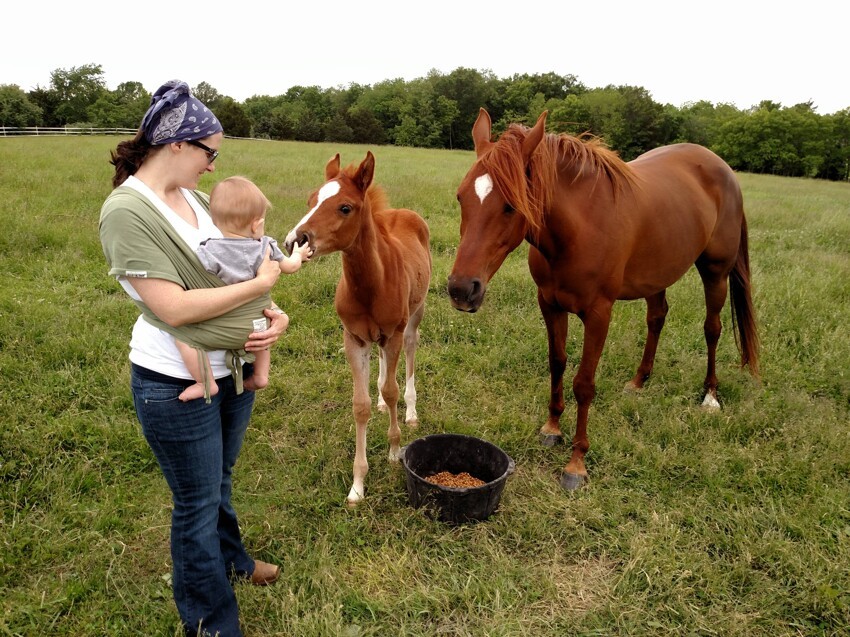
376	197
531	196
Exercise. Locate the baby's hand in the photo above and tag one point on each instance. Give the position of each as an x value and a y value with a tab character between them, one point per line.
303	251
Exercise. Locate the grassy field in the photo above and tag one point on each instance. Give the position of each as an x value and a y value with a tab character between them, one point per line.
734	523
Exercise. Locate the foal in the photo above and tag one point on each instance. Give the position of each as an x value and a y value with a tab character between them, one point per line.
380	298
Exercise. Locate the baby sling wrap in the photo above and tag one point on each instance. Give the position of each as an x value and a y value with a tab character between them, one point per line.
151	248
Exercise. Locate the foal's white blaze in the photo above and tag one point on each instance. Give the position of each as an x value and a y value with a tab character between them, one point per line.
325	192
483	187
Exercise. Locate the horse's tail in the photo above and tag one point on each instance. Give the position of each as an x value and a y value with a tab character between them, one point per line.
743	313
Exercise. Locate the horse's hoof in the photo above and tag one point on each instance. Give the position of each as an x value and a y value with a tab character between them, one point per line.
572	481
710	403
550	440
632	387
413	423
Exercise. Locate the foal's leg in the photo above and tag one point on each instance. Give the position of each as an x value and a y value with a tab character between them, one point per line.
557	324
656	314
389	390
715	282
411	340
357	353
382	377
596	321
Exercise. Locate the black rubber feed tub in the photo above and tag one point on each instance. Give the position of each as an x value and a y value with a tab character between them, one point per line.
456	453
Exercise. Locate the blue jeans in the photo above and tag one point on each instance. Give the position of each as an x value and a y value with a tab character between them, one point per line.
196	446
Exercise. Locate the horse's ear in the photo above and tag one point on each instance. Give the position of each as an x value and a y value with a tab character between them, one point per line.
481	133
534	137
332	167
365	172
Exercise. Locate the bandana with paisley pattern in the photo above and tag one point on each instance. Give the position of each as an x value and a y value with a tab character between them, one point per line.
175	115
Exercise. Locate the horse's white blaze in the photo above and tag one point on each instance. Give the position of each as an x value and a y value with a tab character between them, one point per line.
483	186
325	192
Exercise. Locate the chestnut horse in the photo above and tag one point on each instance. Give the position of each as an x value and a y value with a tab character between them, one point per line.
380	298
602	230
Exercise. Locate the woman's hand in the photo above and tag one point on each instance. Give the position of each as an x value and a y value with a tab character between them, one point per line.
268	272
264	340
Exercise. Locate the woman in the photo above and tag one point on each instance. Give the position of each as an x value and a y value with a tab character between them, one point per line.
150	226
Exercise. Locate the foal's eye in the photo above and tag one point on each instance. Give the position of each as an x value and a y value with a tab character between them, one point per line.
345	209
508	209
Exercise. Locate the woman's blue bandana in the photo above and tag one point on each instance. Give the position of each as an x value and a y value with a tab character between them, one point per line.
176	116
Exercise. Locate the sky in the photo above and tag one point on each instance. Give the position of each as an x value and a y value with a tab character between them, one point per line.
738	52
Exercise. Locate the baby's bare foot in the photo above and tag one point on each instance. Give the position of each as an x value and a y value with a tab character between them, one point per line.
197	391
255	382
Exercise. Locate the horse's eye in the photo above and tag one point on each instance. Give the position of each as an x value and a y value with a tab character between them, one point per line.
508	209
345	209
457	196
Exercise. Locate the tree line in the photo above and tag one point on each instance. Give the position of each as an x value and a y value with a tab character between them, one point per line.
438	111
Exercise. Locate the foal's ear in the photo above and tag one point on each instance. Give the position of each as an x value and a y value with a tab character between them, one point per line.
481	133
534	137
332	167
365	172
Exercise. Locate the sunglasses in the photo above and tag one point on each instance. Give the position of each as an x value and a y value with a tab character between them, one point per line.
211	153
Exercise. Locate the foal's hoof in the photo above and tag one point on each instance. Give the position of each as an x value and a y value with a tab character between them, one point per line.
551	440
572	481
355	497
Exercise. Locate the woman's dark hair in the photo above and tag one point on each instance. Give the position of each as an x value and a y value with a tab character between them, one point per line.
128	157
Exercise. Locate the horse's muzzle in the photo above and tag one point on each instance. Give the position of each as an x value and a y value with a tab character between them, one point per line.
466	294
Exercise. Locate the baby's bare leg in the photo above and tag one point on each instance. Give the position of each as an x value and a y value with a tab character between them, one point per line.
260	377
190	358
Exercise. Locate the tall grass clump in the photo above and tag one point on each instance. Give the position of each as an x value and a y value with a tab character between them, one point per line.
733	523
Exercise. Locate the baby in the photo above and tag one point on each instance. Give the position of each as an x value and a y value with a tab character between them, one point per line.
238	208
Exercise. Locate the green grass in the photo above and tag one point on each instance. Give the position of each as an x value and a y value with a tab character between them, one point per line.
693	523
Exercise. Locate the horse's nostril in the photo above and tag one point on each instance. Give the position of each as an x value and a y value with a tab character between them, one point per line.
456	291
466	294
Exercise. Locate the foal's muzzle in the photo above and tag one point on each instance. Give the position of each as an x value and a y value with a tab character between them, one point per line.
296	239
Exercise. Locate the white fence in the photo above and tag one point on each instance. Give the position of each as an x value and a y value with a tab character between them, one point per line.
8	131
